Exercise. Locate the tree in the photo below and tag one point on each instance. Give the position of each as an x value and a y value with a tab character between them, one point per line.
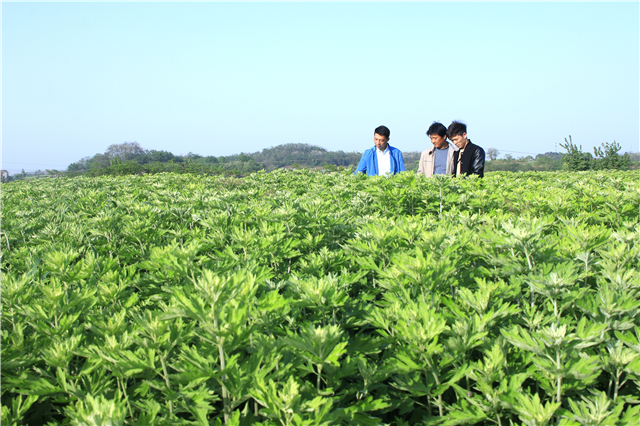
543	161
508	157
125	151
82	164
159	156
575	160
549	161
193	156
100	160
607	157
492	153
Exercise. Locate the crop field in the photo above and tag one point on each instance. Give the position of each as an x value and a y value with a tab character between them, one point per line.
302	298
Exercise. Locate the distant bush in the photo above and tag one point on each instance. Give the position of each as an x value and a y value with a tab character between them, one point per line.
606	157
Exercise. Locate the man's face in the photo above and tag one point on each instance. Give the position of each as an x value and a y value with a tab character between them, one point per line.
438	141
460	140
380	141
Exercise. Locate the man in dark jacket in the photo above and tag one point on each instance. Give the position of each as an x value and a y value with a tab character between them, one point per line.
469	159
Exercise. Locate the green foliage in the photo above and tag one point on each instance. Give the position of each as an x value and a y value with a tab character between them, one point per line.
575	159
295	155
303	298
550	161
607	157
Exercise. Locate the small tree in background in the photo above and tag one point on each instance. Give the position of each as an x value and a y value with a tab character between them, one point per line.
492	153
607	157
575	159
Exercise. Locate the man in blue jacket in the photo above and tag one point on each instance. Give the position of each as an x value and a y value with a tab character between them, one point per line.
382	158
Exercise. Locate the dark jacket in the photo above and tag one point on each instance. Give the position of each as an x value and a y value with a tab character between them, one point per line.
472	161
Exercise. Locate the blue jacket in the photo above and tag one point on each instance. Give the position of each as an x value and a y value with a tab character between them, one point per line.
369	162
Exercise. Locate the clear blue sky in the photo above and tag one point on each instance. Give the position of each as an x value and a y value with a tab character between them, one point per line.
224	78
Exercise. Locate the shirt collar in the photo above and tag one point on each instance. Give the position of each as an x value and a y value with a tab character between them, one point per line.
383	152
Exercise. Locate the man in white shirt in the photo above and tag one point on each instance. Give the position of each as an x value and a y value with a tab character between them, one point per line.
382	159
383	154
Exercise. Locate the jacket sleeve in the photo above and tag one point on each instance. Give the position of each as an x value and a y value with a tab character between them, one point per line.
451	157
456	159
420	171
477	162
400	162
362	166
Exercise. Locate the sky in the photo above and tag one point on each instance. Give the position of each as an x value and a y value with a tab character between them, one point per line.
218	79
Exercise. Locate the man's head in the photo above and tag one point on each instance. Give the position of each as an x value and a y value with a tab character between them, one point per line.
438	135
457	132
381	137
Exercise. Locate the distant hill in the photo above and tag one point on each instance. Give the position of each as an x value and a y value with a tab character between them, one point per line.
311	156
292	154
301	154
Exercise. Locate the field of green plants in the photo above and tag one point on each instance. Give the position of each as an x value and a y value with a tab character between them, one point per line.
302	298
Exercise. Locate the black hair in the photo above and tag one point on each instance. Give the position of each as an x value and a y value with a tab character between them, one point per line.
456	128
382	131
437	129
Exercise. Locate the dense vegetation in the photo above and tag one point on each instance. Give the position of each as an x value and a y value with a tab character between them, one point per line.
550	161
130	158
606	157
302	298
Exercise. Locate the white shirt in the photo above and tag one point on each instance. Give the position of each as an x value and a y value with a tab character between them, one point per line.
460	152
384	161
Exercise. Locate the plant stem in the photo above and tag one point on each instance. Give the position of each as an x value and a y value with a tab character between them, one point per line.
124	392
166	380
435	376
225	395
559	389
532	296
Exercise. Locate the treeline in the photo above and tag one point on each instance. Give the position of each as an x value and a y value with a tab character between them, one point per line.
304	155
130	158
549	161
